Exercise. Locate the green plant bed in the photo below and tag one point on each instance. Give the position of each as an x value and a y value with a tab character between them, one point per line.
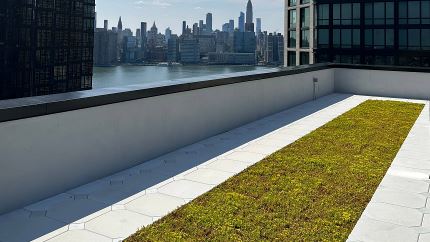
312	190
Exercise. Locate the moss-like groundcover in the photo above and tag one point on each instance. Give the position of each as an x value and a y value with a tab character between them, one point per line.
312	190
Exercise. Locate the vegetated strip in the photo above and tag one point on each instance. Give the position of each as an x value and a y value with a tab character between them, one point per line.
312	190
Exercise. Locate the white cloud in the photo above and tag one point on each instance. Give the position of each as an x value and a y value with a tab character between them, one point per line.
158	3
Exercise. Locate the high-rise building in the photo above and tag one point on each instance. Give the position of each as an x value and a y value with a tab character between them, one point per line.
152	37
130	49
258	25
201	27
231	26
242	22
41	52
249	25
119	24
209	25
274	53
190	50
184	27
105	47
196	30
138	35
106	25
357	31
143	40
244	42
223	42
226	27
173	49
167	35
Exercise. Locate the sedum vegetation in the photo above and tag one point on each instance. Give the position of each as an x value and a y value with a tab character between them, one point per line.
312	190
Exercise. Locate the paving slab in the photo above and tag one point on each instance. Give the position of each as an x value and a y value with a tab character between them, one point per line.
155	204
118	224
81	236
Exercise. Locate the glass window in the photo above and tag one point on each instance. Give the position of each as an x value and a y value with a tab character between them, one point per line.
323	14
413	39
291	58
368	13
403	12
378	38
413	12
356	38
346	14
304	41
346	38
304	17
304	1
292	2
292	39
379	13
292	18
389	38
425	12
403	38
304	58
336	38
389	12
356	9
425	39
323	38
336	14
368	38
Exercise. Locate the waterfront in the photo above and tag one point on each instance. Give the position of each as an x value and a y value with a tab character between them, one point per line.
105	77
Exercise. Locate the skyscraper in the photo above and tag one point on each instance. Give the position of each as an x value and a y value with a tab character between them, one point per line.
119	24
143	39
105	47
209	26
184	27
258	25
173	49
168	35
358	32
201	27
41	52
231	25
241	22
249	25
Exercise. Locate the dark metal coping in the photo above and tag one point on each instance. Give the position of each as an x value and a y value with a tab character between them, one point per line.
22	108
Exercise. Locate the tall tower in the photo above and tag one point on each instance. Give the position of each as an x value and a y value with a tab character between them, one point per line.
209	26
120	24
258	25
242	22
249	25
184	27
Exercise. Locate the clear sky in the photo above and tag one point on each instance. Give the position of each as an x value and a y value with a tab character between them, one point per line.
171	13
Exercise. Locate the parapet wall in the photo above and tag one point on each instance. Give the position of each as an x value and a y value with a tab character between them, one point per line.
51	144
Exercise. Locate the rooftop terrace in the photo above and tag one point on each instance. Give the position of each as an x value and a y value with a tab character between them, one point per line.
102	164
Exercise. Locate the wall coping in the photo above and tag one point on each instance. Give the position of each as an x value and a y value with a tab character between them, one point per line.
29	107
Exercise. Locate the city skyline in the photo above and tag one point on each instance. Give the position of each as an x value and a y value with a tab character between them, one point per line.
171	13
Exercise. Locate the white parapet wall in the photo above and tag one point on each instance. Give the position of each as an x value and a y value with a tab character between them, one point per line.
46	155
384	83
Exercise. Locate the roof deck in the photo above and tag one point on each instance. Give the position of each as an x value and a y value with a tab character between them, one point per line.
164	149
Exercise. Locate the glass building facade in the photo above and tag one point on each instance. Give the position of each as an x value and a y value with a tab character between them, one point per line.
395	32
378	32
46	47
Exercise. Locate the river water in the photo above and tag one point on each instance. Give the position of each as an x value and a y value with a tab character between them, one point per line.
130	75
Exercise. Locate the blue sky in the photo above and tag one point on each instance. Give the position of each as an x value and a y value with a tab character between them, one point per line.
171	13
